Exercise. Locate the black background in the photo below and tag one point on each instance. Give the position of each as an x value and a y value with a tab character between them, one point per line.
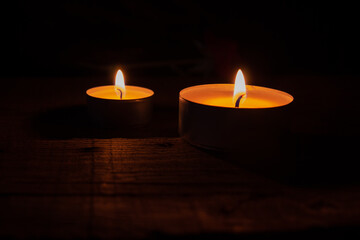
169	45
83	38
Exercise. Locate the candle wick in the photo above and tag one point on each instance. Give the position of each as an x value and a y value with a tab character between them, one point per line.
121	93
237	103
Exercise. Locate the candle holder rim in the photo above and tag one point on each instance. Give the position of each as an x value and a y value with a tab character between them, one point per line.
240	108
152	93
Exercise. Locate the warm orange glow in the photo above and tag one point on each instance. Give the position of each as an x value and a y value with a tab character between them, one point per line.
120	84
221	95
239	88
107	92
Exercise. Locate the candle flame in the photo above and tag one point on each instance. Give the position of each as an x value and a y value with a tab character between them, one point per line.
120	84
239	88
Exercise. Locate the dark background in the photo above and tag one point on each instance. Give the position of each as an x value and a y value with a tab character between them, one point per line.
307	48
83	38
55	163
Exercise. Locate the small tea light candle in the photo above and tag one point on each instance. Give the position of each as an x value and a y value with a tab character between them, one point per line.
120	105
223	116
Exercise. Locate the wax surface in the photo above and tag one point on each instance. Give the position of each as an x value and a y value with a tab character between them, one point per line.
221	95
109	92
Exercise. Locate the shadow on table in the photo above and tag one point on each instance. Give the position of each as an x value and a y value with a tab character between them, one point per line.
74	122
302	160
326	160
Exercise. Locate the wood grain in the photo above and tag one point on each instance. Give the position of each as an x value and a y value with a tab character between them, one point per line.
61	178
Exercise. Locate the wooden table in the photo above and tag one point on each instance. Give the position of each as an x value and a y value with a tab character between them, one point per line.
62	178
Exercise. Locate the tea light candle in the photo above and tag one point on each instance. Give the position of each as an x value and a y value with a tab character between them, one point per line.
226	116
120	105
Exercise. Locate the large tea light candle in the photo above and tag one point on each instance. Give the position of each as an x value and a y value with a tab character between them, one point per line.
120	105
227	116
